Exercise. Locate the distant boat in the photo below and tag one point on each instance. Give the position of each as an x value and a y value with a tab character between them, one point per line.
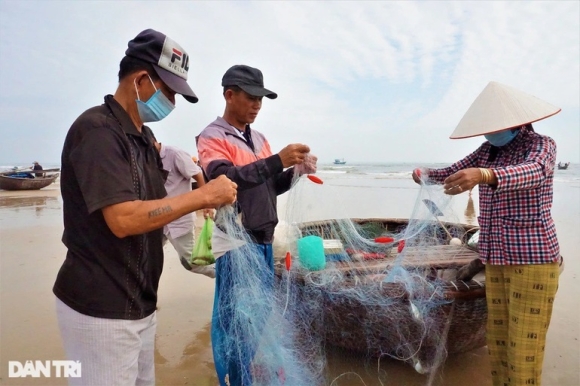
339	161
25	180
563	166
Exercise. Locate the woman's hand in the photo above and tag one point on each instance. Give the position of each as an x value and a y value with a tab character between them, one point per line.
462	181
417	175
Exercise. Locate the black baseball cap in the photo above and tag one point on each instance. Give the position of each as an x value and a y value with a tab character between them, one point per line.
169	60
249	79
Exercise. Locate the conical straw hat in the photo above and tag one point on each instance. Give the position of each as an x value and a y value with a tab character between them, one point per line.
500	107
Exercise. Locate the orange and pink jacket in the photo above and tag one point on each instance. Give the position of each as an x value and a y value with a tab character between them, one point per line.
259	174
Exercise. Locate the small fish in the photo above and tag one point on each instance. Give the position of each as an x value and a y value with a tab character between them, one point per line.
419	368
415	312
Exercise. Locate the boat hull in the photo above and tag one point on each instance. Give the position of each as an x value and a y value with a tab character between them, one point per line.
15	183
463	321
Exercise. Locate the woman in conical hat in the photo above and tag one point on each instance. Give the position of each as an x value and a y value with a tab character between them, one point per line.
514	169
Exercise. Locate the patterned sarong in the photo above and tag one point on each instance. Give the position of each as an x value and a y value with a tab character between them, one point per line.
519	303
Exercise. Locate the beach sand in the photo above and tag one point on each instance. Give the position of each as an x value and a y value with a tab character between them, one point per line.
31	254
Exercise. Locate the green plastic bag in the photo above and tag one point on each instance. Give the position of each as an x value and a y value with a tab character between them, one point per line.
202	254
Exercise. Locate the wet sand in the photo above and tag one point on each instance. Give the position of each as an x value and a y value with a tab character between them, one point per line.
31	254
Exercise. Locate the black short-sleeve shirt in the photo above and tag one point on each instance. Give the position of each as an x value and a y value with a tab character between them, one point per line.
105	161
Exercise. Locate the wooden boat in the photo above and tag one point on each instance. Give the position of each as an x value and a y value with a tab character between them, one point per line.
456	324
15	181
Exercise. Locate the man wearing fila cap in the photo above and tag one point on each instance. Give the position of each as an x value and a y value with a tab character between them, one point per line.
228	146
114	209
514	170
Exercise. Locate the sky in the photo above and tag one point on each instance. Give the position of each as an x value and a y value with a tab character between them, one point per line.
370	82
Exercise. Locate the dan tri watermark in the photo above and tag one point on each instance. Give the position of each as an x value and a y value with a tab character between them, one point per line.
47	369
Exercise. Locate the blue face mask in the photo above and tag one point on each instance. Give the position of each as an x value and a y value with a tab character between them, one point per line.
156	108
502	138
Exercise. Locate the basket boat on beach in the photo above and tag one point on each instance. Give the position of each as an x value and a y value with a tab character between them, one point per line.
27	179
364	305
8	182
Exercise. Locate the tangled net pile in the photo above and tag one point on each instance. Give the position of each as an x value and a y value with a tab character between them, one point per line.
370	285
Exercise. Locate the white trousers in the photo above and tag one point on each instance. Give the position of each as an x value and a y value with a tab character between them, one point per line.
111	351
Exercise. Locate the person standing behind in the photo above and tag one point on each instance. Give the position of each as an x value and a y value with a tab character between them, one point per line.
37	166
181	233
194	184
514	169
229	146
114	210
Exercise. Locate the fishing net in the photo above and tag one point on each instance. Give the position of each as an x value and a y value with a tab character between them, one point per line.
381	287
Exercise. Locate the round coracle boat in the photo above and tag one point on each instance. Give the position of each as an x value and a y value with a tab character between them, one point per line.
26	181
394	294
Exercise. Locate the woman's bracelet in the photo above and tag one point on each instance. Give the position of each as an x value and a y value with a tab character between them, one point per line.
486	175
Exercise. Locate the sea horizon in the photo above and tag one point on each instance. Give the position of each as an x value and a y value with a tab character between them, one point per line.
373	170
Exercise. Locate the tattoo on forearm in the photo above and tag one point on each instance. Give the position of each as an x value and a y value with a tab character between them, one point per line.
160	211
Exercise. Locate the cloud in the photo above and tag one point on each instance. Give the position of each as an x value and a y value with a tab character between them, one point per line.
367	81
